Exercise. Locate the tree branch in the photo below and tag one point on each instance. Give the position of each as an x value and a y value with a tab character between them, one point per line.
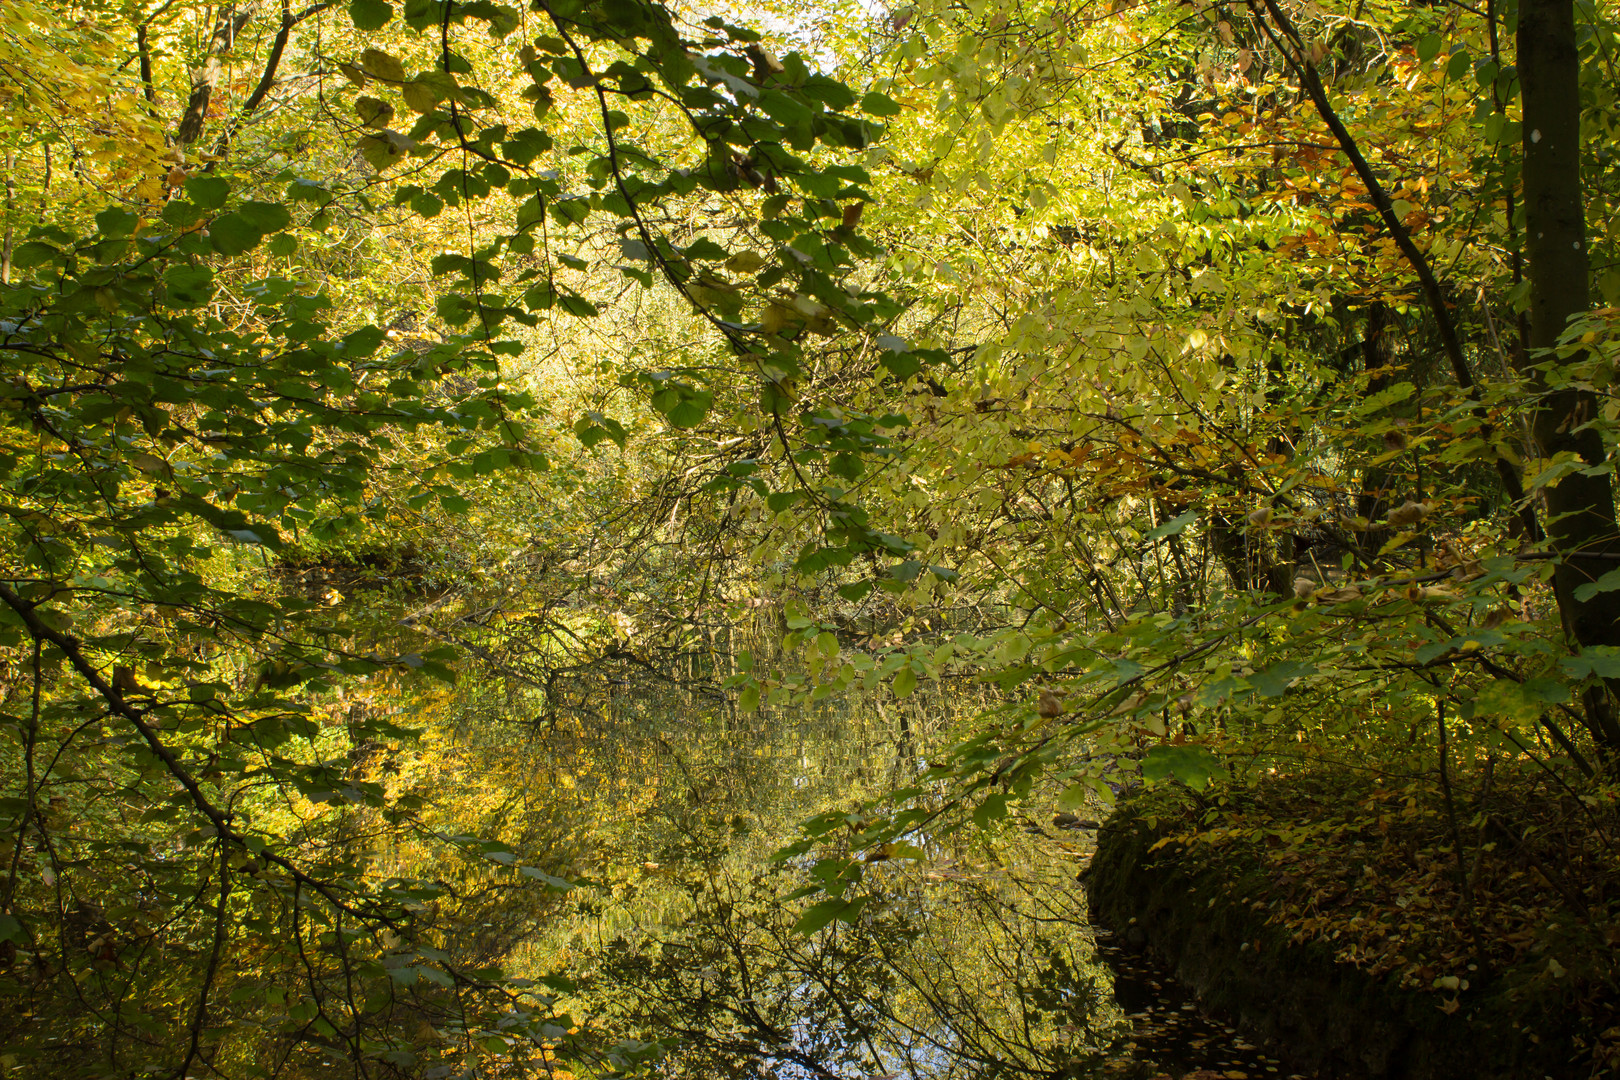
119	706
267	80
1293	52
232	18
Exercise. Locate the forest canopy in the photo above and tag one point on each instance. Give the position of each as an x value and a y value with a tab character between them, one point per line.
1178	393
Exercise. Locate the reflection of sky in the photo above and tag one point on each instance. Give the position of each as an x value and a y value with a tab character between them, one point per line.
919	1057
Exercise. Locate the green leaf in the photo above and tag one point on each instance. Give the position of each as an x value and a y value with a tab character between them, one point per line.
1548	691
36	253
903	365
551	881
115	222
1602	661
906	571
526	145
419	96
385	149
905	681
570	211
381	65
689	413
421	14
848	466
310	191
777	501
745	262
370	14
1274	681
594	426
688	409
1074	796
819	915
1607	583
373	112
582	308
267	217
454	309
704	248
189	286
1507	698
234	234
879	105
1172	527
993	808
1192	765
208	192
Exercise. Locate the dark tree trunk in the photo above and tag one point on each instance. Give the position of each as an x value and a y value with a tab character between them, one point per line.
1580	509
1373	501
1245	554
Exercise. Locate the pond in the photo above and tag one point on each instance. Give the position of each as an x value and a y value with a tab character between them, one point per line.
977	961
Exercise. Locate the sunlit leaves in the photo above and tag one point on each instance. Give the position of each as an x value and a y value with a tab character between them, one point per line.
373	113
382	65
386	149
204	453
1054	382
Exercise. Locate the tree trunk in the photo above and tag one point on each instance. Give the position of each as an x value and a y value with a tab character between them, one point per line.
1581	524
205	79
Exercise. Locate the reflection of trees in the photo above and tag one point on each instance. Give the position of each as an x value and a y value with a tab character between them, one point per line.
672	801
946	974
687	941
618	751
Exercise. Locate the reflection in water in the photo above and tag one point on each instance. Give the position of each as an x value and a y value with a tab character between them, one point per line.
975	962
1168	1029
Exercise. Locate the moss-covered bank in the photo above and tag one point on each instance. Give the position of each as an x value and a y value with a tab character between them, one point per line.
1212	912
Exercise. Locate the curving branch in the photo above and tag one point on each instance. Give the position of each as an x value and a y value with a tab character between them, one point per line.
272	65
119	706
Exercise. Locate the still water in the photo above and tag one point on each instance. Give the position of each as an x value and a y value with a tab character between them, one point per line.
975	962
